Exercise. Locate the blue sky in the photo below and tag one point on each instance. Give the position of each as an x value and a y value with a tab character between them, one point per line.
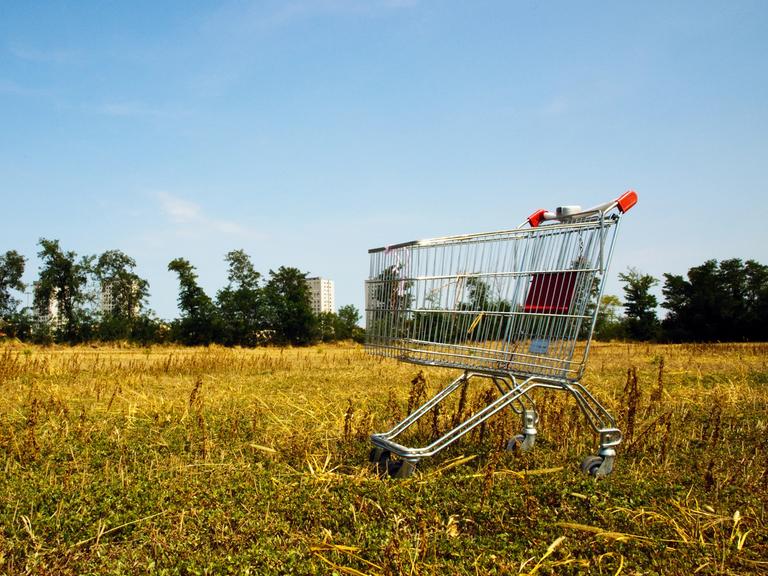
306	132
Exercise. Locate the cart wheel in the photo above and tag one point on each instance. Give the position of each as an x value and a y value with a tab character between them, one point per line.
400	468
380	459
591	465
515	443
385	466
375	454
521	443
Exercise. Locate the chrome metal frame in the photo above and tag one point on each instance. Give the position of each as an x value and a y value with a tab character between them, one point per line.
507	306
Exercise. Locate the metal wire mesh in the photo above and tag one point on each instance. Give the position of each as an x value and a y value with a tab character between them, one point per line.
515	301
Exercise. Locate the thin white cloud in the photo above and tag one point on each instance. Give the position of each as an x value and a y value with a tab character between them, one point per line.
399	3
14	89
128	109
185	213
306	8
178	210
134	110
261	15
29	54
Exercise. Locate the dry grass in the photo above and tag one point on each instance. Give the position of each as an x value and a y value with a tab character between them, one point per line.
192	461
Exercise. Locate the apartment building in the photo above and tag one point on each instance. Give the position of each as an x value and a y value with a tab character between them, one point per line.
321	295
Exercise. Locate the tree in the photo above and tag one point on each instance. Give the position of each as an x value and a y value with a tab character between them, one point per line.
326	326
756	299
640	305
60	291
389	297
241	303
12	322
11	271
198	323
717	302
478	293
289	309
592	301
487	315
390	290
346	327
123	294
609	324
148	329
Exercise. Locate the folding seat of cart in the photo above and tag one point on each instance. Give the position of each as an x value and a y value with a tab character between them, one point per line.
547	306
551	292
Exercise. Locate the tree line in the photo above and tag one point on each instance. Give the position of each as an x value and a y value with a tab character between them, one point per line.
716	301
724	301
87	298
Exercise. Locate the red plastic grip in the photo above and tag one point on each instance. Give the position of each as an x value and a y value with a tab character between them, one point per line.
626	200
535	219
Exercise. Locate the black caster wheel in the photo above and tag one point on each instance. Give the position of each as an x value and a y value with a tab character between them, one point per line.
380	459
385	466
521	443
376	454
515	443
591	465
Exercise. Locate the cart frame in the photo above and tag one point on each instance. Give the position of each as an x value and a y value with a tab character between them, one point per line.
507	306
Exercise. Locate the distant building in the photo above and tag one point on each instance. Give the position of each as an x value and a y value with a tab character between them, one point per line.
100	298
108	301
49	316
321	295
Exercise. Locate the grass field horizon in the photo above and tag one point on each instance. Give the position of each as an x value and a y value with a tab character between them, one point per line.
172	460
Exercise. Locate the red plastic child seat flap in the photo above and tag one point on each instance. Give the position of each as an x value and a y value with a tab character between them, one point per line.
551	292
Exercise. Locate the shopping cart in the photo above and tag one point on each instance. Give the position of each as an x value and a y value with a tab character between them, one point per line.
516	307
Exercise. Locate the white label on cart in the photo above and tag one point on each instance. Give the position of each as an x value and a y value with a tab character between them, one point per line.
539	346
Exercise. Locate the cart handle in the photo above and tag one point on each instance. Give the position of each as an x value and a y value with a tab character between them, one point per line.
623	203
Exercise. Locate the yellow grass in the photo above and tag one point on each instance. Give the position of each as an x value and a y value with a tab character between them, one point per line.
179	460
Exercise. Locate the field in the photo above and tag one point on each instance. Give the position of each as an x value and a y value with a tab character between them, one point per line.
221	461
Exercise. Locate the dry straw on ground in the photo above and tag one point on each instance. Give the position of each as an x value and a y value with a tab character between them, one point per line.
192	461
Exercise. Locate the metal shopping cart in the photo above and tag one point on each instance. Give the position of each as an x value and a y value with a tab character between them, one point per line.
516	307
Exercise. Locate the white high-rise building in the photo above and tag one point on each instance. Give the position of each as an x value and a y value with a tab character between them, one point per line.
107	300
50	315
321	295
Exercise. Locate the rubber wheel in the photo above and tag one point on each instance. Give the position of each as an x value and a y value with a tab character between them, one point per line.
385	466
394	467
381	461
516	443
591	464
376	454
400	468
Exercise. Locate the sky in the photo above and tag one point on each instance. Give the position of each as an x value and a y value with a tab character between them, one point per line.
307	131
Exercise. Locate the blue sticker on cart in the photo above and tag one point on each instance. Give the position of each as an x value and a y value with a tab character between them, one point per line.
539	346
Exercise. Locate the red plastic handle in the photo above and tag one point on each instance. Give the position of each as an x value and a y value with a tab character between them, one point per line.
626	200
535	219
